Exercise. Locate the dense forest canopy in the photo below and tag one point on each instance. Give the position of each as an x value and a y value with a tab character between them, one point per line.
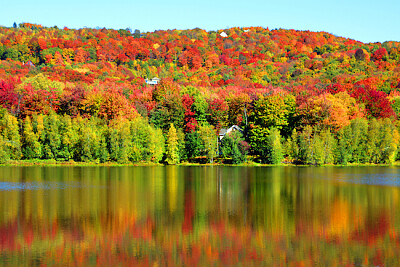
290	91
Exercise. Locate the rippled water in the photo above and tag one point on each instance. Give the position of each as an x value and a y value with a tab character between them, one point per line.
187	216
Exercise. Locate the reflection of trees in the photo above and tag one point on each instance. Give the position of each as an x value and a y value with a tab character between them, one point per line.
158	205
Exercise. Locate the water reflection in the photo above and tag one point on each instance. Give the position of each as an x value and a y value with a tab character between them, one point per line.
199	215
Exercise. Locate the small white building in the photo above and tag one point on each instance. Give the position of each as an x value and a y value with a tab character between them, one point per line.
223	35
233	128
153	81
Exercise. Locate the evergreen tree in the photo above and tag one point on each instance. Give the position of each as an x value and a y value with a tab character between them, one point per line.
193	145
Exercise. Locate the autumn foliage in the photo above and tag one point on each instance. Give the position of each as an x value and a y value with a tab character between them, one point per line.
205	78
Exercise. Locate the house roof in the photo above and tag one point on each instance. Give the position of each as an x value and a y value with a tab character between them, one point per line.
224	131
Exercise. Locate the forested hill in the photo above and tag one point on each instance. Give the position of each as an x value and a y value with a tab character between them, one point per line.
253	77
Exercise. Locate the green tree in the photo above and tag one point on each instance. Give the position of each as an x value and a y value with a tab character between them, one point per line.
209	139
87	145
172	152
318	155
52	141
31	147
292	147
329	146
389	141
156	145
68	138
305	145
359	131
274	147
343	150
372	145
9	130
193	145
232	146
4	156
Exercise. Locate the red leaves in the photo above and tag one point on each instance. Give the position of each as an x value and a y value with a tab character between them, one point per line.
190	121
38	101
8	96
376	102
380	54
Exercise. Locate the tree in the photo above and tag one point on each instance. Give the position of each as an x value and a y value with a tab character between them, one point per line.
9	130
292	147
172	152
156	144
193	145
233	145
52	141
329	146
31	147
274	147
4	156
209	140
272	111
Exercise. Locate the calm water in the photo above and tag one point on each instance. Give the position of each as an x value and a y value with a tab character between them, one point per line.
187	216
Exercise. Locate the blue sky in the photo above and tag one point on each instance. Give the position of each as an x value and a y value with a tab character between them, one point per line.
367	21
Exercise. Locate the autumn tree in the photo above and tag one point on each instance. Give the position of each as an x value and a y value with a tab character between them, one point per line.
172	152
209	139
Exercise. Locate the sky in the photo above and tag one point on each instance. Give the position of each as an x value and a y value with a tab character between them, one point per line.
366	21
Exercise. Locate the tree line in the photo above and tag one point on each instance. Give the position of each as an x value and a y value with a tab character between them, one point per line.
65	138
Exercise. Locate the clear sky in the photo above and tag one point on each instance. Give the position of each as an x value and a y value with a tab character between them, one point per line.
366	21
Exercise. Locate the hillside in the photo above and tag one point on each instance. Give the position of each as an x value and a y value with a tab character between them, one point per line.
256	78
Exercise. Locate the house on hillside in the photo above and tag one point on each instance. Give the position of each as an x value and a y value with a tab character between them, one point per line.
224	131
223	35
29	64
153	81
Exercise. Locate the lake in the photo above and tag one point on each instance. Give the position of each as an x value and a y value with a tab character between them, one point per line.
187	216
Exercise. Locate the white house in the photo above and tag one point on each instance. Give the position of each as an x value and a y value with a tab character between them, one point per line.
153	81
223	34
233	128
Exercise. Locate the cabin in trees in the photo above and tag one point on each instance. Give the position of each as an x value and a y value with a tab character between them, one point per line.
29	64
224	131
153	81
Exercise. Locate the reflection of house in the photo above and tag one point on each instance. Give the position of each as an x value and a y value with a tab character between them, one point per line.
153	81
233	128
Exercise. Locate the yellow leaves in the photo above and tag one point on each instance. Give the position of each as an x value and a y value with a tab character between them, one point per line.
82	70
336	110
156	46
42	82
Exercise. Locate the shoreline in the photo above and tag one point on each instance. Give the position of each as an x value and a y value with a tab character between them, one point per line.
53	163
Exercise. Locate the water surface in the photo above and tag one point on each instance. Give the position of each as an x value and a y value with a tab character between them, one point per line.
186	216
